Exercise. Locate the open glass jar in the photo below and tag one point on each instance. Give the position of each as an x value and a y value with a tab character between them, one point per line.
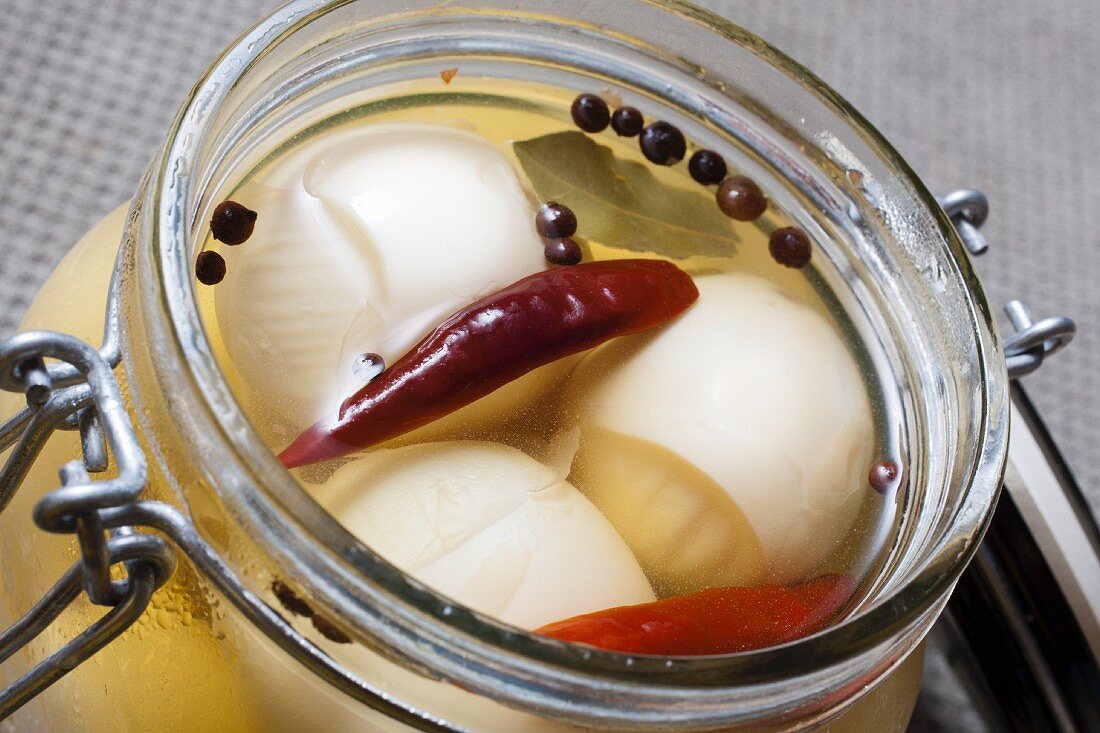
210	651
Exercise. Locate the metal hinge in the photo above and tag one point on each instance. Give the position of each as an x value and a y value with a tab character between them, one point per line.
1032	341
77	391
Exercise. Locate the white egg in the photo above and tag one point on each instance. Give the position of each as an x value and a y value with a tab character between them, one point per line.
480	522
730	446
488	526
366	239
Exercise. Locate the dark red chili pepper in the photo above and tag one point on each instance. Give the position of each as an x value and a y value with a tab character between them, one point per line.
711	621
503	336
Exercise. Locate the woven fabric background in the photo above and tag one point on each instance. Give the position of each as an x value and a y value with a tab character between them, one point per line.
996	94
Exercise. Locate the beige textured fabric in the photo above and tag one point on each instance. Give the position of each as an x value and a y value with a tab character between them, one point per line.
997	94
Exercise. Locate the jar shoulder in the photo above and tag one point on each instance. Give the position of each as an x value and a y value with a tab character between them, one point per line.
74	296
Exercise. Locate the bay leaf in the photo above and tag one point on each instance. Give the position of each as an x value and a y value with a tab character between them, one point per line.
620	203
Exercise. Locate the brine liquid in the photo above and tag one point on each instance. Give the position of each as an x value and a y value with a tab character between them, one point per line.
504	113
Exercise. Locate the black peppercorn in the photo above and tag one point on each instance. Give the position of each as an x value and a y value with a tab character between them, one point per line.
232	223
883	475
554	221
564	251
590	113
627	121
790	246
663	143
707	167
209	267
328	630
740	198
290	600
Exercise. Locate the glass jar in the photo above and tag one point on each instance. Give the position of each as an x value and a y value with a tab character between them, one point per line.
211	651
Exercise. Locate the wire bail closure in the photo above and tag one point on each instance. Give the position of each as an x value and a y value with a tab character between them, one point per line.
968	208
78	391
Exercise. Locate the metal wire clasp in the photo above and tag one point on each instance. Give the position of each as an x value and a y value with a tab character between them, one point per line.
1032	341
77	392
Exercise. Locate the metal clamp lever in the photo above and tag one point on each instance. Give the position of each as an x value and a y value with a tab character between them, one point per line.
77	391
1032	341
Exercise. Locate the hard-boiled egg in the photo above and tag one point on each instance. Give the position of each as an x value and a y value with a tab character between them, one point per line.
488	526
366	239
732	446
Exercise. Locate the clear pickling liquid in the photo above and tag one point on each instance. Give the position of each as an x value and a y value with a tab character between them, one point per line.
577	421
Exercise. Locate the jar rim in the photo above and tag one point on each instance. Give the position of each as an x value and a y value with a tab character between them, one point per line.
907	607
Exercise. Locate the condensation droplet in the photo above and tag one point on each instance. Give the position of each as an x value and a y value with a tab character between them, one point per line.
368	366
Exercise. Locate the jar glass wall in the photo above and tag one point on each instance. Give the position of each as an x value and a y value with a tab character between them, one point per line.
890	259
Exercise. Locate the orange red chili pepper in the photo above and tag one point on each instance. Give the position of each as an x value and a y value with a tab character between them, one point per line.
711	621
